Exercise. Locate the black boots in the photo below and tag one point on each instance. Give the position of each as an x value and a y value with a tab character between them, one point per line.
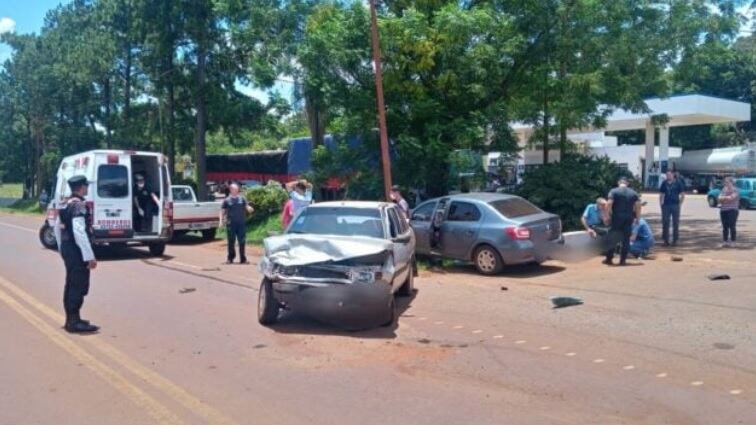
75	324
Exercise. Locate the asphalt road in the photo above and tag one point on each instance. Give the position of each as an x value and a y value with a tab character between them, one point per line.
655	343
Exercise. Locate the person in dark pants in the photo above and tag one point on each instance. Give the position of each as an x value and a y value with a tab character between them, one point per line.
234	215
729	201
624	205
73	234
146	202
671	197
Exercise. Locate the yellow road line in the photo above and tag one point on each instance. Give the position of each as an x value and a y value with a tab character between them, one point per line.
151	406
180	395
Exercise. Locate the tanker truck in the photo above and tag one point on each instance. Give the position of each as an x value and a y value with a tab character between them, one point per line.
704	167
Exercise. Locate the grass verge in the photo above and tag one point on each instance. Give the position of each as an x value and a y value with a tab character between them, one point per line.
258	229
11	190
24	206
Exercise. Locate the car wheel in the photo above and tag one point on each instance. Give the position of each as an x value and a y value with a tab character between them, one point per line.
391	313
157	249
408	287
712	201
47	237
487	260
208	234
267	306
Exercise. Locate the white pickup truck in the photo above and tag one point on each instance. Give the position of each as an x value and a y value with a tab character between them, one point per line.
190	215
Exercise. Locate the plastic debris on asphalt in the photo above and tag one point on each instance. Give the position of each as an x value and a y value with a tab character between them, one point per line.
719	276
186	290
561	302
676	258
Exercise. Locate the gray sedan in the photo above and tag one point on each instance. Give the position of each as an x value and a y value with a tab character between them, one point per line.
489	229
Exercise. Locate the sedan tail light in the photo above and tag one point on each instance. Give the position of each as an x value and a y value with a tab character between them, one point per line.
517	233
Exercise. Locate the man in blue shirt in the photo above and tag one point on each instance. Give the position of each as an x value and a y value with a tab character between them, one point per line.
671	197
641	239
595	218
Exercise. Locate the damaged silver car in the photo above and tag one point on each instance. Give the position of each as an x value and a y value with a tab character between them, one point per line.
340	262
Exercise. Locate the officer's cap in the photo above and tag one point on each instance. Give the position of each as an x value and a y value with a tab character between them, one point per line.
77	181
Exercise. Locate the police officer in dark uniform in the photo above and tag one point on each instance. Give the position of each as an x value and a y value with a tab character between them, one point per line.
145	203
73	233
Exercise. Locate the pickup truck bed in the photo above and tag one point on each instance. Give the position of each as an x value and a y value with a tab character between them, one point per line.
190	215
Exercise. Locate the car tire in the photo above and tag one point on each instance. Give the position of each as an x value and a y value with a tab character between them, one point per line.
712	201
408	287
391	313
487	260
209	234
267	306
47	237
157	249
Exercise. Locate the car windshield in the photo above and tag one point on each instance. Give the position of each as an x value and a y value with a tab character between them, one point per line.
515	207
342	221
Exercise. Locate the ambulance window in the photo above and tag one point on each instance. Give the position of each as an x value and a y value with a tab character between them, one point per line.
112	181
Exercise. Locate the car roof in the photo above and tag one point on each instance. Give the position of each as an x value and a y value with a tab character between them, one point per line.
352	204
481	196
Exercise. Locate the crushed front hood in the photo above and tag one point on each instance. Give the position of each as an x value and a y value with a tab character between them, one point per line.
302	249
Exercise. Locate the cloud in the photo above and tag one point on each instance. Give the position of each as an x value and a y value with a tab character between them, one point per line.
7	25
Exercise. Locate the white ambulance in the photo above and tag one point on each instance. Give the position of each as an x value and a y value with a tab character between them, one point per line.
111	200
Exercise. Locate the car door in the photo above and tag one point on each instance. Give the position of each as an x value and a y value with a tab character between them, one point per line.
420	221
460	229
112	196
401	238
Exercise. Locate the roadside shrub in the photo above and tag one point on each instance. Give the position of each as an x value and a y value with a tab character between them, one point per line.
566	187
266	200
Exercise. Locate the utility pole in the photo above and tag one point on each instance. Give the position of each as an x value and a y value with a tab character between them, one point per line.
385	159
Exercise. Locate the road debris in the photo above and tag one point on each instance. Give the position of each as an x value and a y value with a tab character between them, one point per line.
210	269
719	276
561	302
676	258
186	290
504	288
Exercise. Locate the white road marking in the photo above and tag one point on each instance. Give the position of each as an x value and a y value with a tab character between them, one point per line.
440	322
570	354
25	229
736	392
545	348
458	327
498	336
629	367
521	341
477	331
422	318
696	383
661	375
598	361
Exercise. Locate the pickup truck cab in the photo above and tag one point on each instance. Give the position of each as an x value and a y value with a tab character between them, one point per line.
189	215
110	200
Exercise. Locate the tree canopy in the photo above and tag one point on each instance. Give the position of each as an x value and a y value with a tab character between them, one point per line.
171	75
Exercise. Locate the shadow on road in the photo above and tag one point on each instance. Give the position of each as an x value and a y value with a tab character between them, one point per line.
521	271
189	240
702	235
292	322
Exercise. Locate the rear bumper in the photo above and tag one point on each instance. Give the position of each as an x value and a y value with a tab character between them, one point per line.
336	302
199	225
527	252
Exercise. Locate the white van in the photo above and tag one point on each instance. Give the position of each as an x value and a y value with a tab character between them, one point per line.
110	199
